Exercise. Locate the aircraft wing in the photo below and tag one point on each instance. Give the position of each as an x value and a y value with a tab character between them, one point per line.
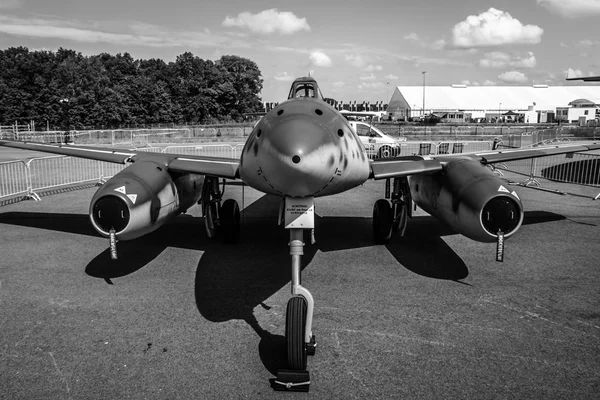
214	166
572	77
411	165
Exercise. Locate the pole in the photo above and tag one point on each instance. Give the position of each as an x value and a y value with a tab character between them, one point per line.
423	110
499	106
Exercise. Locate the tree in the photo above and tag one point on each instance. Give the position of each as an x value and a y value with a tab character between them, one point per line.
72	91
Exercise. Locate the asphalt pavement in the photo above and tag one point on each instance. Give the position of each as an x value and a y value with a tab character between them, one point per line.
429	316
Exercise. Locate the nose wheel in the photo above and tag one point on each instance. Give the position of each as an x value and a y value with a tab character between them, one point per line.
295	327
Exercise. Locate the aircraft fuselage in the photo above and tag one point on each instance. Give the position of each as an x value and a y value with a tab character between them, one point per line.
304	147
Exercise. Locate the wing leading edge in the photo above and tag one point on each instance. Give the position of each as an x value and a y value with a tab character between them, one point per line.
201	165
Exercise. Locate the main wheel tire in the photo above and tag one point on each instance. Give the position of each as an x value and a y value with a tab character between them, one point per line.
385	152
382	221
230	221
295	325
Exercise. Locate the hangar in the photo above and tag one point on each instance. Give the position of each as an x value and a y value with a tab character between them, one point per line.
528	104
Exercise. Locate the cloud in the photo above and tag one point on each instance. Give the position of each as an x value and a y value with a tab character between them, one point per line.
372	68
268	21
418	60
356	60
320	59
573	73
11	4
338	84
498	59
465	82
411	36
494	27
438	44
391	77
587	43
369	77
283	77
370	85
139	34
572	8
513	77
487	82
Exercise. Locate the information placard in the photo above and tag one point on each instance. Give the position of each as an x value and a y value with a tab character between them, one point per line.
299	212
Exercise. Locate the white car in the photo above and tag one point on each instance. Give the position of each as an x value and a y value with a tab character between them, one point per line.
377	143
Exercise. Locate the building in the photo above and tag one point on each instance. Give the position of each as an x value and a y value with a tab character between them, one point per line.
580	110
527	104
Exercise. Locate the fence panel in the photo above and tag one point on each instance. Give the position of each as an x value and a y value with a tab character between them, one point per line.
463	147
149	149
48	172
13	178
578	168
417	148
237	150
216	150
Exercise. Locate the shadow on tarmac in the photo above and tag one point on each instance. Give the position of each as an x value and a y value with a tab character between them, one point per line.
231	281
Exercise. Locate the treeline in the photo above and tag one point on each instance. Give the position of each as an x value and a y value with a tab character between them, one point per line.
67	90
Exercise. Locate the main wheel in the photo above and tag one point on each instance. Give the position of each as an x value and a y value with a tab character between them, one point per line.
382	221
385	152
295	325
230	221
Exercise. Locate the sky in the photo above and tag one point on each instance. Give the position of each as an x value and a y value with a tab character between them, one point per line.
356	50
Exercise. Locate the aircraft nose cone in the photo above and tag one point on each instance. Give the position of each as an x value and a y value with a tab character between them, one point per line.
297	138
297	151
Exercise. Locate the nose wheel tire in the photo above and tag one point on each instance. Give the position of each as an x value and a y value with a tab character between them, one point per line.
295	324
230	221
382	221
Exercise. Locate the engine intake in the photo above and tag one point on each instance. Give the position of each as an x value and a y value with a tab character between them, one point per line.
501	214
111	212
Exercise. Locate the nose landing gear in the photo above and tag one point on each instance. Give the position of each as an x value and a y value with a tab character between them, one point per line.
300	341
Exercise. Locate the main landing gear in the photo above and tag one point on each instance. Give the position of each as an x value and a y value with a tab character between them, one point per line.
388	219
219	219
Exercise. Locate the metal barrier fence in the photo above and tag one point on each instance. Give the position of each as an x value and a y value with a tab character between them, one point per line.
578	168
217	150
111	137
14	178
40	174
37	174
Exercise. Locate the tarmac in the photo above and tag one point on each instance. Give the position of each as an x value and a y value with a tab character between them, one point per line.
181	316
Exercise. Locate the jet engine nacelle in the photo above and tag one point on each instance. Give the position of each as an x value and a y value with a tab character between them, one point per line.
471	199
141	198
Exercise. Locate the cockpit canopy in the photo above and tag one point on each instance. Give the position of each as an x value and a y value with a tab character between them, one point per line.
305	87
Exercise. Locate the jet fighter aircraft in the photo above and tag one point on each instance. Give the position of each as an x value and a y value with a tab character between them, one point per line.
301	150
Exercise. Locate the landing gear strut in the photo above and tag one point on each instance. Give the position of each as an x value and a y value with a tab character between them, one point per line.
219	219
388	219
300	308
